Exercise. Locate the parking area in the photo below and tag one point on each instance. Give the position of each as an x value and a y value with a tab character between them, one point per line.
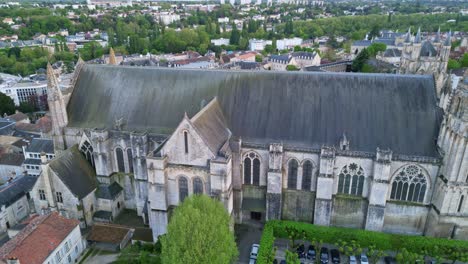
283	244
246	235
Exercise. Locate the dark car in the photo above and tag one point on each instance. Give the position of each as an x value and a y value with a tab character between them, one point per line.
300	251
311	253
283	261
324	257
335	256
390	260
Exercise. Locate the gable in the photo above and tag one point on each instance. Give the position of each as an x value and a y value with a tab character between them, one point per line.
307	109
198	152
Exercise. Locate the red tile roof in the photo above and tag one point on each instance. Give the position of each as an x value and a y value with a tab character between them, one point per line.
39	239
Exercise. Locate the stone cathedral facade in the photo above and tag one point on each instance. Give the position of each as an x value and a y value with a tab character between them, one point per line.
367	151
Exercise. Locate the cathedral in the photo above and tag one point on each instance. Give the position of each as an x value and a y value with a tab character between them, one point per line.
368	151
426	57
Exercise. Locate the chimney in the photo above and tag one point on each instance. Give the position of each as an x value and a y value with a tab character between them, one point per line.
13	260
43	158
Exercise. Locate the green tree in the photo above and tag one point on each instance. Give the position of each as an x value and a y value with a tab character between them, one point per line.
349	248
291	67
464	60
91	50
199	232
291	257
360	60
317	243
235	35
453	64
7	106
376	47
375	254
25	107
407	257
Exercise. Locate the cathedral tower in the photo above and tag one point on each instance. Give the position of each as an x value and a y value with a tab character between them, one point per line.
57	108
451	193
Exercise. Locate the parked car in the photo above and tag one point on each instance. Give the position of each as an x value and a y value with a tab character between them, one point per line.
324	257
300	251
254	251
352	260
390	260
311	253
364	259
283	261
252	261
335	256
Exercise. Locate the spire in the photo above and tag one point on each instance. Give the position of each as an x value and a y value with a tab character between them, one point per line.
418	36
53	89
437	38
448	40
112	57
408	36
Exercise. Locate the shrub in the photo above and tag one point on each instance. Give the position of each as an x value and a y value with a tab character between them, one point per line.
366	239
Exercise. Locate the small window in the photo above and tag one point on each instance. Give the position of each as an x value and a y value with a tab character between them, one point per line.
42	195
59	197
292	174
197	186
120	160
186	141
183	189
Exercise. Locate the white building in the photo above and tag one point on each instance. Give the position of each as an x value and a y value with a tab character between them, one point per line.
167	18
223	20
258	44
288	43
32	154
53	238
14	201
22	91
220	42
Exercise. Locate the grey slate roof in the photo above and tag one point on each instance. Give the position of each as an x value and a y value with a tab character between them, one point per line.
280	58
108	192
212	126
41	145
13	191
32	161
309	108
75	172
392	53
428	50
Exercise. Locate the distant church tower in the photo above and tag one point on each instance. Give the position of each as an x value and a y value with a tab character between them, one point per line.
112	60
426	57
57	108
451	191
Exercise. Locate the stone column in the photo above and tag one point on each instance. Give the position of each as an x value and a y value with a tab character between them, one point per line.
157	196
458	159
139	146
453	158
378	190
101	154
274	182
464	166
323	199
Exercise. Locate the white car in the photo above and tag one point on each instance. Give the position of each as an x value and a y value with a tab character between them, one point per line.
352	260
254	251
364	259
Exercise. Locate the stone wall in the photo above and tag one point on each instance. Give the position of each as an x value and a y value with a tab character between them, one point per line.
406	218
298	205
349	211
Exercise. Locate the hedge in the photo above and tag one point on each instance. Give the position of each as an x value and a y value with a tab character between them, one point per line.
417	244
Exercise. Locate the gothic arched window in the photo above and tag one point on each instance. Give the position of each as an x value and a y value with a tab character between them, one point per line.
409	184
306	175
87	150
197	186
130	160
351	180
183	188
120	160
252	169
292	174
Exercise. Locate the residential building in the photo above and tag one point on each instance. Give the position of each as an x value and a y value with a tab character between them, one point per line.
220	42
15	201
32	155
258	44
288	43
47	239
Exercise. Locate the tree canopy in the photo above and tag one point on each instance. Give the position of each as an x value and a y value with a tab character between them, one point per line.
7	106
199	232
